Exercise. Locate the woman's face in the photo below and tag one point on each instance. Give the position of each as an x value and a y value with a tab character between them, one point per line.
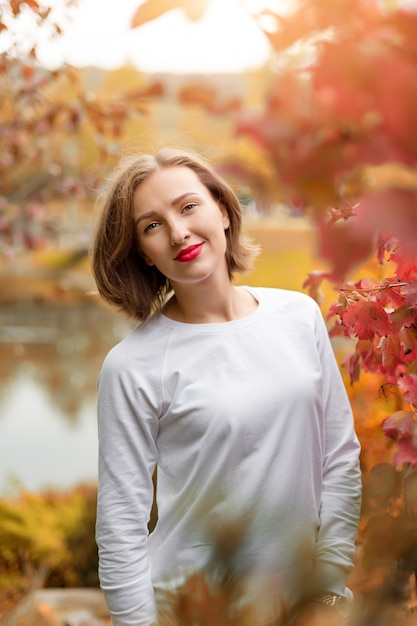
180	227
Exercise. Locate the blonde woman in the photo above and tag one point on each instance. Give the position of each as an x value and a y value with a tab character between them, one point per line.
232	392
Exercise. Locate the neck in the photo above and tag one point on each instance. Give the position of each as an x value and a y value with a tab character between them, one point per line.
209	303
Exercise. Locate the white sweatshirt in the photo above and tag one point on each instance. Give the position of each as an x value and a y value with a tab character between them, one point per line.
247	419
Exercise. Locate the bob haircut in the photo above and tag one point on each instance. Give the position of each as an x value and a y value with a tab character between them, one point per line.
122	276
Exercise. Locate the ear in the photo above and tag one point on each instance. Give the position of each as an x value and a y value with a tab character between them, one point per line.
225	216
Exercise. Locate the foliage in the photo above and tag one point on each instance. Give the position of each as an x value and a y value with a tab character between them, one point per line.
51	533
45	117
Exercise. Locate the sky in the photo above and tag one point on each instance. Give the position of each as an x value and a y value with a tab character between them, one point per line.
225	40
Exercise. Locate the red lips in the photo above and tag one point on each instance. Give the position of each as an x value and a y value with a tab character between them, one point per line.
188	254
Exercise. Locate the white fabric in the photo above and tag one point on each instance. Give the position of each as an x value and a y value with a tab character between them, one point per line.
247	418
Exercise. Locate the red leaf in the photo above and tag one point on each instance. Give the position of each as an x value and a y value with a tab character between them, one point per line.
408	337
367	319
406	451
399	424
390	293
404	316
391	354
313	284
353	366
385	244
406	265
370	357
409	382
410	291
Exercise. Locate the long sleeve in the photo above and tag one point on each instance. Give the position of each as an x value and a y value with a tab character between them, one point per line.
341	489
128	427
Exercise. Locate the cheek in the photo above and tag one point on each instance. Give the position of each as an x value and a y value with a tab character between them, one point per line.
144	252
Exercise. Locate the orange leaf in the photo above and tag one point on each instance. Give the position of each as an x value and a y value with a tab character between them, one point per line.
152	9
15	6
27	72
208	97
32	4
153	90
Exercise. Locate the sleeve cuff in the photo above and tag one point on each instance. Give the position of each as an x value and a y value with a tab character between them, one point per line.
329	577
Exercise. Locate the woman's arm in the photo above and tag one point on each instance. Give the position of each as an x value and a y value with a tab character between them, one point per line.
341	488
128	428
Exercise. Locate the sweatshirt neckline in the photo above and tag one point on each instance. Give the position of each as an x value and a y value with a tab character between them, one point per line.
219	326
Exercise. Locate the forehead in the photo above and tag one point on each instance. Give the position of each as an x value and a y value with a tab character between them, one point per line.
165	185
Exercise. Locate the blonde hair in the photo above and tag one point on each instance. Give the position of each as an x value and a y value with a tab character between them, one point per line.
122	276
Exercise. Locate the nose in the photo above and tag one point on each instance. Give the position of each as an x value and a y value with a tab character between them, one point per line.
178	232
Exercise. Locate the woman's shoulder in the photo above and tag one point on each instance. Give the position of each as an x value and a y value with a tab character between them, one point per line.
144	345
286	300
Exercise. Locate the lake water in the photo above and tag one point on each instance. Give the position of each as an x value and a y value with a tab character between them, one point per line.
50	357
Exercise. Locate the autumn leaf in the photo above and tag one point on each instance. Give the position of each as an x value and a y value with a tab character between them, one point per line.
152	9
406	265
208	97
391	353
342	211
404	316
399	424
16	5
409	382
410	292
154	89
385	245
366	319
390	293
406	451
353	367
408	337
313	284
28	72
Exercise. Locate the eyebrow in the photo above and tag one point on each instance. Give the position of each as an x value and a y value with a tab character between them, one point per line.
174	202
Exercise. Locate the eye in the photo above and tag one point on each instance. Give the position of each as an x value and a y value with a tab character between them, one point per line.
189	206
150	227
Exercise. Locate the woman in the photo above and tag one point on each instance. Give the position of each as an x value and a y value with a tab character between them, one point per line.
232	392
